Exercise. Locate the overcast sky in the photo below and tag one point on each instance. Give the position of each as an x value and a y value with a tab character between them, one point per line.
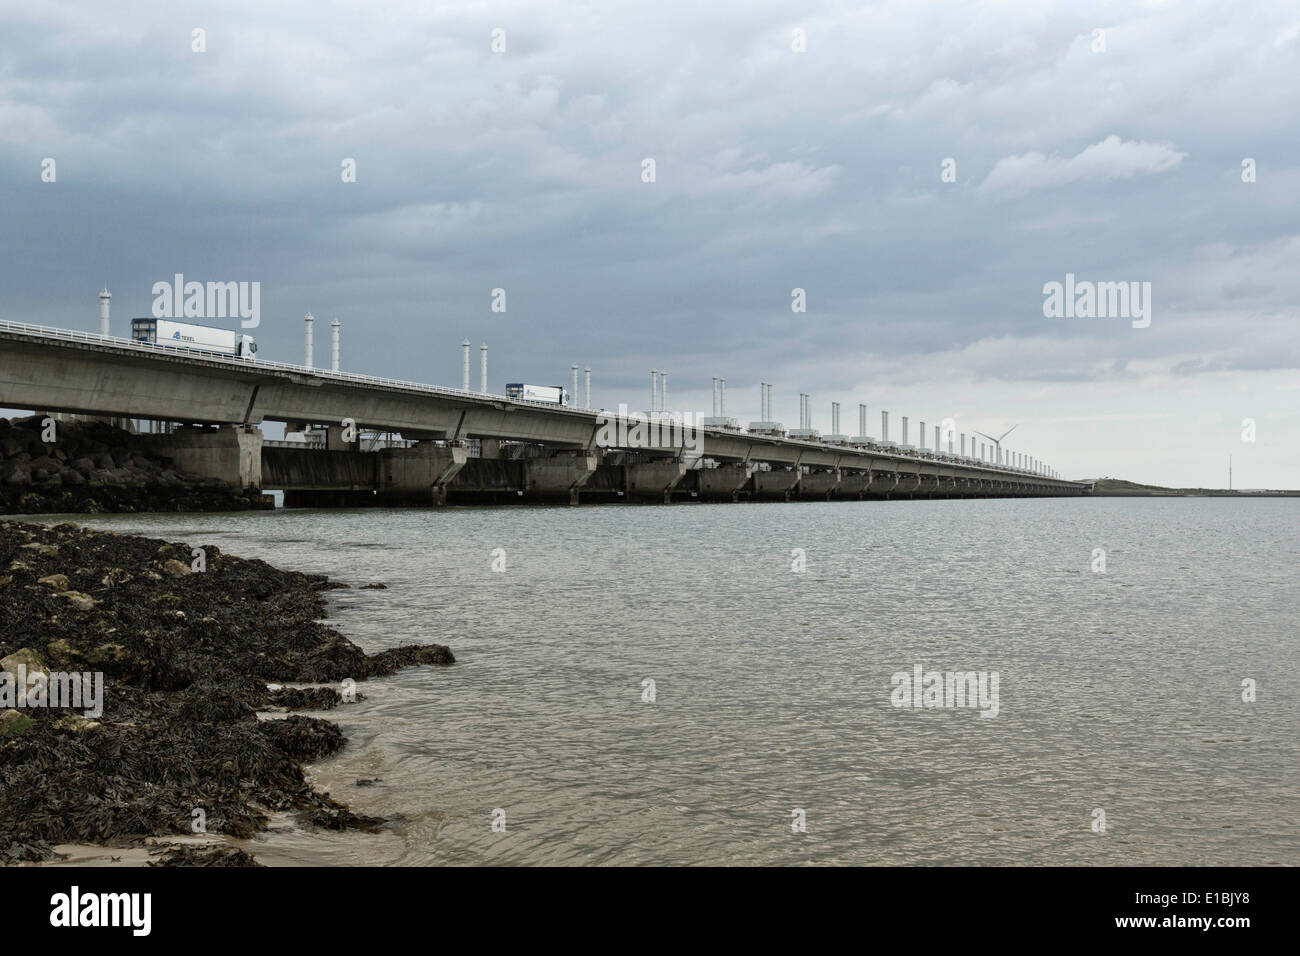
775	169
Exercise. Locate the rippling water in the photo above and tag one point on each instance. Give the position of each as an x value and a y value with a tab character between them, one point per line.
1120	691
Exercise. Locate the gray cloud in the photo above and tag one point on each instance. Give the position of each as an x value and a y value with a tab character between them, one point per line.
775	170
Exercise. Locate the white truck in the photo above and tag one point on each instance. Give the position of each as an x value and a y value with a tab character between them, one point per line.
201	338
554	394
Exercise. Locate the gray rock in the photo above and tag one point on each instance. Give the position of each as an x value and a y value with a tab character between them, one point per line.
26	657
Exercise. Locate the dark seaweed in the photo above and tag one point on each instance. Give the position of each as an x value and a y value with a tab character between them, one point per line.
186	659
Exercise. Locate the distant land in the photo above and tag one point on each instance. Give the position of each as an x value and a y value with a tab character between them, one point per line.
1117	487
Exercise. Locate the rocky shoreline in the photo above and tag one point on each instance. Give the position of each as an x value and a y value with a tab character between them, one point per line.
93	467
185	645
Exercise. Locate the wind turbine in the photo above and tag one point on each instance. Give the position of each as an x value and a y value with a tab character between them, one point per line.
997	442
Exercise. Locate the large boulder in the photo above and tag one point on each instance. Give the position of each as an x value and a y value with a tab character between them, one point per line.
24	657
82	602
13	723
176	569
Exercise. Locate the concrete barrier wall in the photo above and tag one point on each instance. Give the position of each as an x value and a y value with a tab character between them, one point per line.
311	470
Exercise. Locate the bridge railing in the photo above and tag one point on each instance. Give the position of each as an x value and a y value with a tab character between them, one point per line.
91	338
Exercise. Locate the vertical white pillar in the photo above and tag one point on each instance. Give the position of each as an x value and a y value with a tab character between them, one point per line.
482	374
334	344
722	397
654	388
308	319
588	373
104	298
464	366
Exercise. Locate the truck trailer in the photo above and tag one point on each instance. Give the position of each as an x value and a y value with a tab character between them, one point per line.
201	338
552	394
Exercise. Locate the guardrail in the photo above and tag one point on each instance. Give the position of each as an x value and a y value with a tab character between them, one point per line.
240	362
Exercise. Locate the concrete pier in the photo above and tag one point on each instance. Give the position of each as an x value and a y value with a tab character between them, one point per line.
724	483
853	484
558	478
418	475
232	454
820	484
653	480
777	484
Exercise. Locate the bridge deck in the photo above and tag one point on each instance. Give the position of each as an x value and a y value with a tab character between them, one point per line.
61	370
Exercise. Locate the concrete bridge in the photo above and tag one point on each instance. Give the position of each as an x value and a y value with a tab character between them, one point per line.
469	446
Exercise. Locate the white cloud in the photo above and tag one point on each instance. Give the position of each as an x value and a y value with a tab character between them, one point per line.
1112	158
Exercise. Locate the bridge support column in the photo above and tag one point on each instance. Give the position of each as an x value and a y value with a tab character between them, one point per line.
559	477
776	483
822	484
653	479
334	440
854	483
418	475
725	482
232	453
883	483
